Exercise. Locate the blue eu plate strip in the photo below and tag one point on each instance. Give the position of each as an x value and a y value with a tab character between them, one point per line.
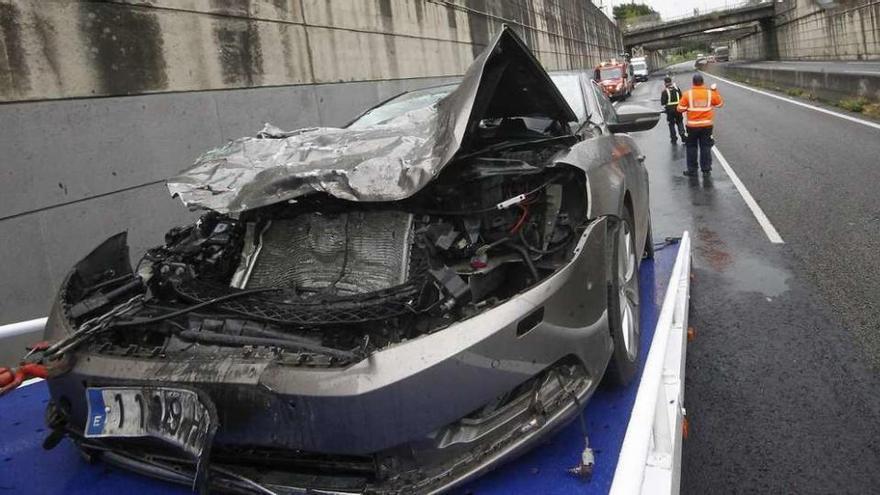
97	413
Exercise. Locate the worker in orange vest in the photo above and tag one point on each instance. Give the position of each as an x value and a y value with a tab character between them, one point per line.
699	103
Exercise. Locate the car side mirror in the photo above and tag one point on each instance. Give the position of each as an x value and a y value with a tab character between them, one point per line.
634	118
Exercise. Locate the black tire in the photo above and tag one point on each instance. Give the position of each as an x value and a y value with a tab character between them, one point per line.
649	242
623	320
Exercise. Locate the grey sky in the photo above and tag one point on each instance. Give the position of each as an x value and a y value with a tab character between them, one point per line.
673	8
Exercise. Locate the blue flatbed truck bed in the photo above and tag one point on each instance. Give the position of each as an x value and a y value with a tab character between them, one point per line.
27	468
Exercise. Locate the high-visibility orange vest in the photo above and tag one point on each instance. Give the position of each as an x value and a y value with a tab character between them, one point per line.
699	103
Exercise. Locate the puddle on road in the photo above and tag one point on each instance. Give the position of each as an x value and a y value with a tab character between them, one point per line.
747	273
753	275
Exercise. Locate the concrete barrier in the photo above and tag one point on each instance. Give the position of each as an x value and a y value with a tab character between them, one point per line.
828	86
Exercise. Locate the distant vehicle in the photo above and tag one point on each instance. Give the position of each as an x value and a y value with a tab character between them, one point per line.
616	78
640	68
701	60
722	54
710	59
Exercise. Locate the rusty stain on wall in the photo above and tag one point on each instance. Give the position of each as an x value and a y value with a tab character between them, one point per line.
14	73
125	47
238	43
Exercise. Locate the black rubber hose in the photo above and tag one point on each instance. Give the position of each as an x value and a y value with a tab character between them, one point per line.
242	340
524	253
189	309
535	250
106	283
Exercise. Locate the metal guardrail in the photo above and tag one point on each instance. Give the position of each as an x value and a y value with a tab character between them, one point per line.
650	457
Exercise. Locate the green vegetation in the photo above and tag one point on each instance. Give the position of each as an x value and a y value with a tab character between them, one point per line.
872	110
853	104
626	11
860	105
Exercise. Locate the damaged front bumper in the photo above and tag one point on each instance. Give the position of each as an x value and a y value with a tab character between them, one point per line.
419	416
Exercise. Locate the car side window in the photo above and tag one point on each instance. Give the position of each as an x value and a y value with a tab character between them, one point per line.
570	89
609	115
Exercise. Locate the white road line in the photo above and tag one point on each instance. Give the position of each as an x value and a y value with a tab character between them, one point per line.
768	227
795	102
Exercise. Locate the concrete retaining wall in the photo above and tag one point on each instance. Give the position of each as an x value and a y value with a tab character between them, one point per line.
103	100
828	86
751	47
848	30
66	49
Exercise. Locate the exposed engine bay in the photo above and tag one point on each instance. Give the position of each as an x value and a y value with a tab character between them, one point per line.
323	282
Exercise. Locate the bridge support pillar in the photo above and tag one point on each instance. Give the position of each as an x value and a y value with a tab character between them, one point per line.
771	46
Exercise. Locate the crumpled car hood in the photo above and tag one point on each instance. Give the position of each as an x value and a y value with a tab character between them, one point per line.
385	162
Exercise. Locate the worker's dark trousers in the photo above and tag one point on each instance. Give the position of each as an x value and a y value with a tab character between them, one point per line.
699	137
676	122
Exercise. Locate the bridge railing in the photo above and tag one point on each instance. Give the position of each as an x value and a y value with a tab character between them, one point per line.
728	6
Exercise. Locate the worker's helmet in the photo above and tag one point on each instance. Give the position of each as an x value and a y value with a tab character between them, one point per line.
698	79
667	80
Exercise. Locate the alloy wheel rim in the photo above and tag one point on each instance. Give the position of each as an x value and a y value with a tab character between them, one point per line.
628	290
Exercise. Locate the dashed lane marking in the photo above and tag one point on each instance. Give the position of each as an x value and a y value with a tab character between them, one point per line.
753	205
795	102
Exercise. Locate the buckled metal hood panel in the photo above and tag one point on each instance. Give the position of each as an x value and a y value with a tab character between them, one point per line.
385	162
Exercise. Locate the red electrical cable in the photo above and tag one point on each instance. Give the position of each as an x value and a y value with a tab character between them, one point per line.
522	219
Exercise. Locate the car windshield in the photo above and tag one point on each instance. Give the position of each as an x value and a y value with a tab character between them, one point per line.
570	87
567	84
609	73
639	66
399	105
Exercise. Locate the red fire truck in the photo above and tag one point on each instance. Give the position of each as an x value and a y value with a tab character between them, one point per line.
616	78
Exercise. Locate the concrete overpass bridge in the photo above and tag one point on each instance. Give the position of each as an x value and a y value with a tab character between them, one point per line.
672	32
719	36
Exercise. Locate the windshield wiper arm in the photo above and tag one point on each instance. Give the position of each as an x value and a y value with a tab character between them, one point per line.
516	144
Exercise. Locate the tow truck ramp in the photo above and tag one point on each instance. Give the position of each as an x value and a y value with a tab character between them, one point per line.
635	432
650	458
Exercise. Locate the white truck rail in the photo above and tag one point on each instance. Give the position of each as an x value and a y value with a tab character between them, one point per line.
22	327
650	457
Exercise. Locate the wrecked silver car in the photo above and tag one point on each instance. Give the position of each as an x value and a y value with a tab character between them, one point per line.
391	307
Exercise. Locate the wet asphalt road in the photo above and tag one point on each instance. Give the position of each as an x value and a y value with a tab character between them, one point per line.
782	390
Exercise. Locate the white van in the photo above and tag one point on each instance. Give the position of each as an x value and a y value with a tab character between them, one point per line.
640	68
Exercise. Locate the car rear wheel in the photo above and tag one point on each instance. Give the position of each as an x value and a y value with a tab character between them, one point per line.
623	304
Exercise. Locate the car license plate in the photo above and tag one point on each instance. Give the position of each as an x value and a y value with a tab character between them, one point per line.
177	416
